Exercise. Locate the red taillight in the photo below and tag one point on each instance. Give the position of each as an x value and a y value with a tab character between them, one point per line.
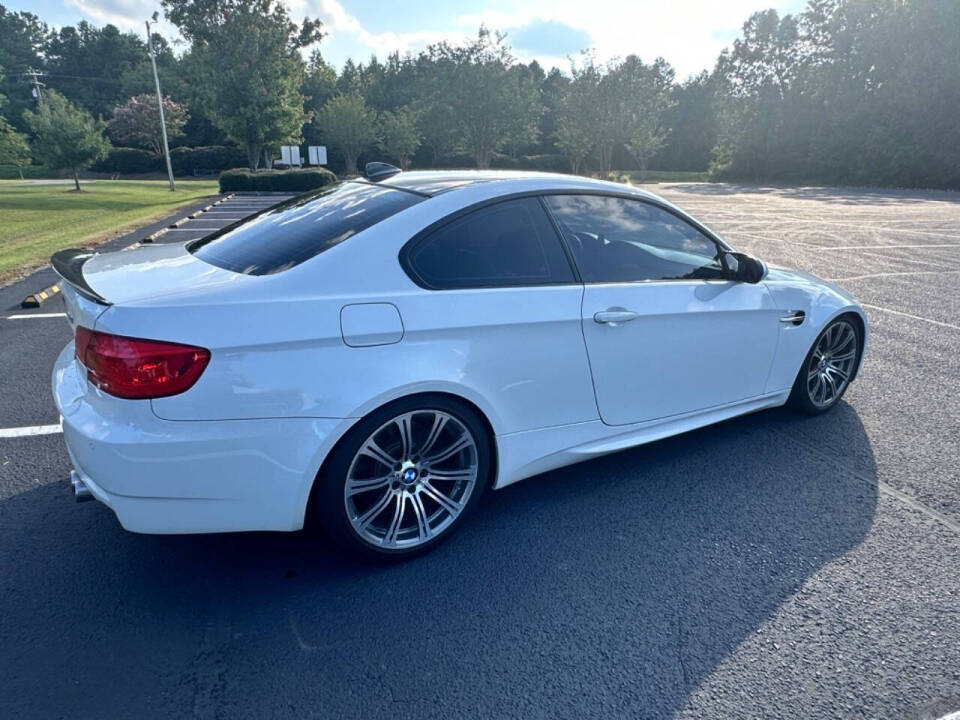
137	369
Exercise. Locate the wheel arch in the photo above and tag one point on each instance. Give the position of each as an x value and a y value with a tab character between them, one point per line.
855	314
425	395
861	325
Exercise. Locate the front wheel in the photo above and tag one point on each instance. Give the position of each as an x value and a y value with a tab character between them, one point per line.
404	477
828	368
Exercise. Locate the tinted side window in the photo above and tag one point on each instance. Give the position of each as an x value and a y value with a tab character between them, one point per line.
510	243
296	231
620	240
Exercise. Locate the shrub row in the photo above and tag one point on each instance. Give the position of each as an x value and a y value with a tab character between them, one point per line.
548	162
211	158
131	161
30	172
275	180
184	160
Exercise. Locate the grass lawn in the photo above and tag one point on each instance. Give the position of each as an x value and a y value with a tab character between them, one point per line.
37	220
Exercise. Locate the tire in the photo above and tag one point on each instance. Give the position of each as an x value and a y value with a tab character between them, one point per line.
828	368
440	458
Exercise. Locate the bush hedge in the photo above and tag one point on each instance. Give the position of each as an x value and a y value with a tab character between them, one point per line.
30	172
184	160
210	158
548	162
275	180
129	161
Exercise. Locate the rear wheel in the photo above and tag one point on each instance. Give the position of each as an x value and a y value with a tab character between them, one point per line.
828	368
404	477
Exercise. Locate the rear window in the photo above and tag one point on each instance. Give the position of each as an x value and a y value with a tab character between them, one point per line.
298	230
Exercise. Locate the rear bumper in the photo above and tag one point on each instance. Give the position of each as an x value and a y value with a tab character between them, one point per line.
162	476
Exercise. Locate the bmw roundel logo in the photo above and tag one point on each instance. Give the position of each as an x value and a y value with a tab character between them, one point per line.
409	475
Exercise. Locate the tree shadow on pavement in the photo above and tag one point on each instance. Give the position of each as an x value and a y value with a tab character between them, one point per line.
842	195
610	588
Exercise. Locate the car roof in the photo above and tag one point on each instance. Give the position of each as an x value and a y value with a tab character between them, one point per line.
436	182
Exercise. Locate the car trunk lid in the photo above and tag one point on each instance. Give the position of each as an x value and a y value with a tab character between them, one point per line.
94	281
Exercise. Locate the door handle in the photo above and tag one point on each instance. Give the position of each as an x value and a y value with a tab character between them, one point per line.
793	317
614	317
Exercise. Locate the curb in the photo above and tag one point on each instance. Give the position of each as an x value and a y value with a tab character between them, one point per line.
184	220
34	299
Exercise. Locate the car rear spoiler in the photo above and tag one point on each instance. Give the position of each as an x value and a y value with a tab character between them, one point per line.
68	264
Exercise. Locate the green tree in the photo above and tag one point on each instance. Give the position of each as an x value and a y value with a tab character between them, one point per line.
136	123
552	89
97	68
523	125
349	126
246	64
66	137
319	82
693	126
648	98
576	134
23	37
481	95
13	147
399	136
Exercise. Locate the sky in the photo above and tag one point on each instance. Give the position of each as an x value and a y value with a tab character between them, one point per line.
688	33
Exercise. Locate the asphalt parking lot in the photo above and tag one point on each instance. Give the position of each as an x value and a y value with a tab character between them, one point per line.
773	566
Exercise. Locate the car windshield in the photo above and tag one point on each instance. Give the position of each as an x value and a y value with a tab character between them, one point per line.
298	230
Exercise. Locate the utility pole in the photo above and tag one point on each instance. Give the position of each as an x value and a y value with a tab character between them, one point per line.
156	79
36	84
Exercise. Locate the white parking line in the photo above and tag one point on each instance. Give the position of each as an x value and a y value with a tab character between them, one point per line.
883	247
912	317
27	316
32	430
892	274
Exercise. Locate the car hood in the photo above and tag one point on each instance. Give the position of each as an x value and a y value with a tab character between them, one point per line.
152	271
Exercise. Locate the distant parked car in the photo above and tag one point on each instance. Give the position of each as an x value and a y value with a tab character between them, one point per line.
377	353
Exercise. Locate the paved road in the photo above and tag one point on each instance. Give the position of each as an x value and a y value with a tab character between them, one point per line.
771	566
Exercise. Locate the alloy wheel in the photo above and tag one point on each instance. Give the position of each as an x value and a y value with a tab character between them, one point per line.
411	479
831	364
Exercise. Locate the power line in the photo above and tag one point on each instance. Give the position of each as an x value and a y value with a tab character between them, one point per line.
85	77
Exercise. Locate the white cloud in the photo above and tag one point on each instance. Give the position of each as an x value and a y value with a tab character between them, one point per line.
688	33
340	25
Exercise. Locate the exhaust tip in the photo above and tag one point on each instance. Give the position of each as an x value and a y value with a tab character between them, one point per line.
80	490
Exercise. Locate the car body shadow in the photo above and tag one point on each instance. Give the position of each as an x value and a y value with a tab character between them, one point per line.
615	586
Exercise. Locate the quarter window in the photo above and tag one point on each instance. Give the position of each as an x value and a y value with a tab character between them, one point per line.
616	239
506	244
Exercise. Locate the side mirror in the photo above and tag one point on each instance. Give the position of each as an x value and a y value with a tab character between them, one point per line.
743	268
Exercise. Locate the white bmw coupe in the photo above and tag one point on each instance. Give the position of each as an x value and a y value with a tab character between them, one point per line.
377	353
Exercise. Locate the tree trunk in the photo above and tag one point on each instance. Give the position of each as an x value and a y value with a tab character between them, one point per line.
76	179
482	157
267	165
253	155
20	170
350	164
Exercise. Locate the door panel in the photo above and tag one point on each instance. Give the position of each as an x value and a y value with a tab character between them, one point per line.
689	345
